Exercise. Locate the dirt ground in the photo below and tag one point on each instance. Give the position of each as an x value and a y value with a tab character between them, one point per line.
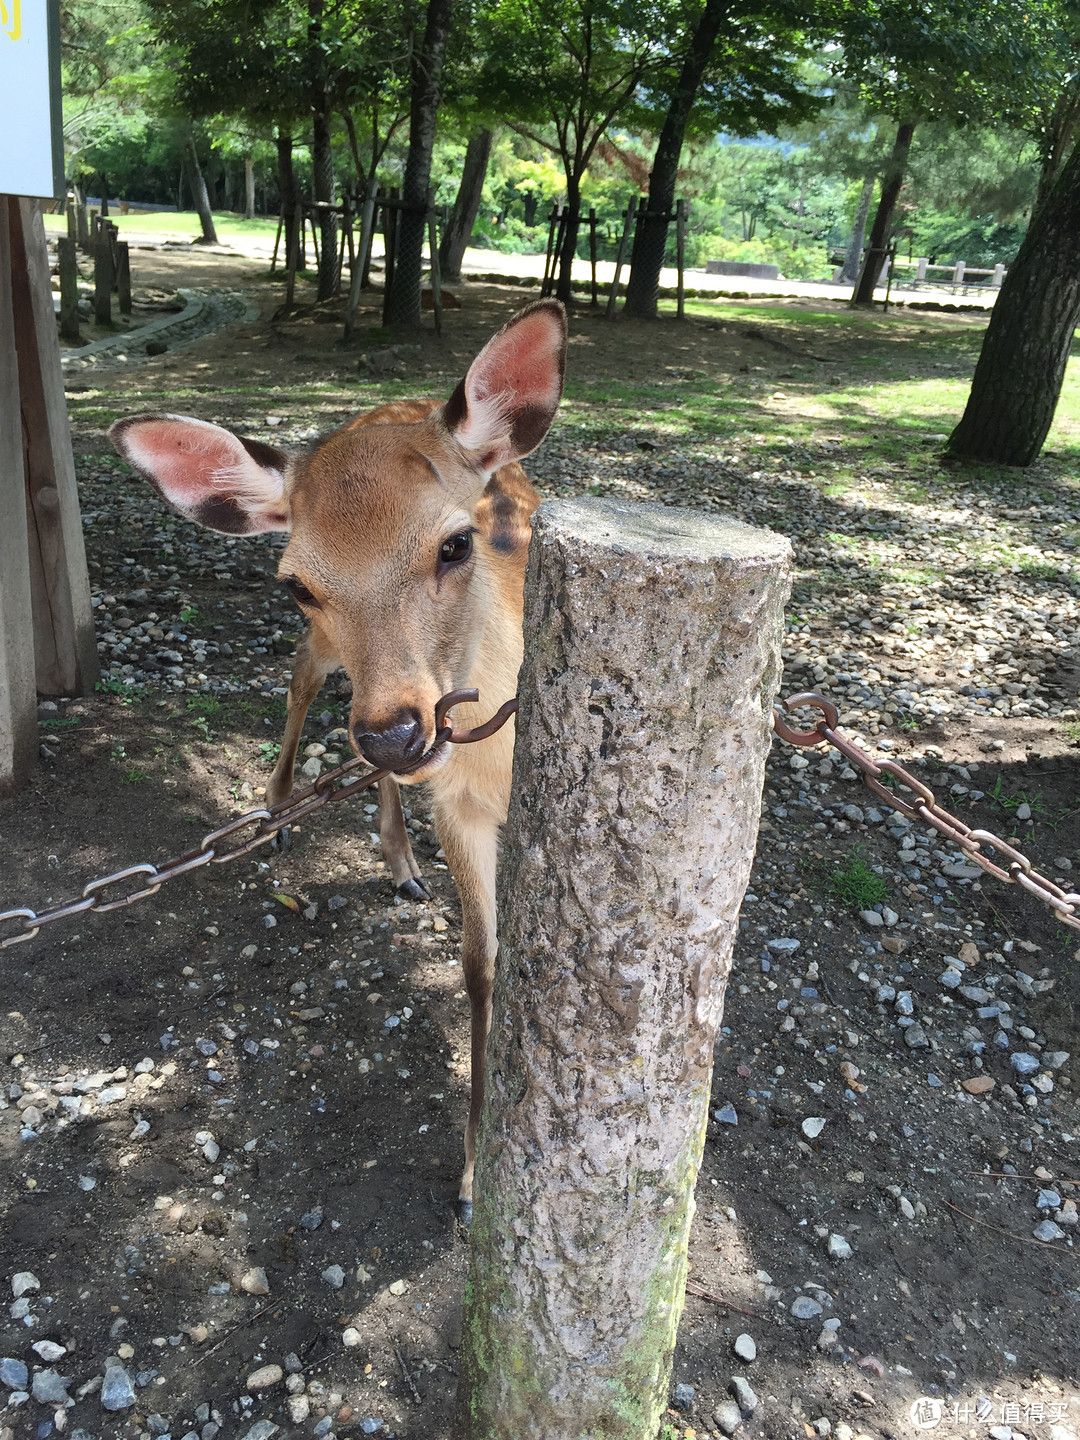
231	1122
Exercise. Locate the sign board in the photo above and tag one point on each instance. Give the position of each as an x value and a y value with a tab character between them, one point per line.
31	121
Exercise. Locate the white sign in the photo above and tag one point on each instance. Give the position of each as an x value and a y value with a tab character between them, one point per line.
31	123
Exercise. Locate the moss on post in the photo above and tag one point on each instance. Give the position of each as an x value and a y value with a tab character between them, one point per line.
652	657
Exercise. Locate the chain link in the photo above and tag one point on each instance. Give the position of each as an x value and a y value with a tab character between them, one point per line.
341	783
1014	869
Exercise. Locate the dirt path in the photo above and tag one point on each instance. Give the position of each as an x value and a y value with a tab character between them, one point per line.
230	1117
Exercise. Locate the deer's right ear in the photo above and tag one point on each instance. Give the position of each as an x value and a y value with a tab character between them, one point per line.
210	475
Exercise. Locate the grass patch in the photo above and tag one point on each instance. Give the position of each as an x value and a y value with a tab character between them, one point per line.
856	886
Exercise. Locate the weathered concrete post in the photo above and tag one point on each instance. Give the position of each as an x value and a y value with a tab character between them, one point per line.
652	656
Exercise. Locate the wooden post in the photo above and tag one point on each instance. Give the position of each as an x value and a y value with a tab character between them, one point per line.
82	225
390	219
998	276
652	655
69	288
18	693
958	272
357	273
103	273
123	277
681	209
294	255
277	241
920	268
346	233
314	237
436	278
592	255
628	221
72	222
554	220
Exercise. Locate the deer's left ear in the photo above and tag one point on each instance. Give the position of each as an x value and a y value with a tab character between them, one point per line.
507	401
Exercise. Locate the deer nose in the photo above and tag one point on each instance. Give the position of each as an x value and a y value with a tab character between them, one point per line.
395	746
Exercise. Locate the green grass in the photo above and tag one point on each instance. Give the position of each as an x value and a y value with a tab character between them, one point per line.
855	885
172	222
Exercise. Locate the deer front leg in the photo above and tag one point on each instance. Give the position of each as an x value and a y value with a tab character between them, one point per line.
314	661
396	848
470	840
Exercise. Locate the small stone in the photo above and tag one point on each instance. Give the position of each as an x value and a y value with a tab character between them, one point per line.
805	1309
728	1417
1068	1214
311	1220
744	1394
978	1084
261	1430
726	1115
784	946
23	1283
13	1373
915	1038
683	1396
1047	1230
906	1208
969	952
1045	1200
299	1408
323	1427
1055	1059
117	1391
371	1426
892	944
50	1352
334	1276
398	1287
50	1388
839	1249
351	1337
254	1282
871	918
813	1125
265	1376
746	1348
1023	812
1023	1063
889	917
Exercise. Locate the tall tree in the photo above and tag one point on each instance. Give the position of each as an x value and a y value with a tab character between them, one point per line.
961	61
1021	366
403	304
562	71
738	73
459	228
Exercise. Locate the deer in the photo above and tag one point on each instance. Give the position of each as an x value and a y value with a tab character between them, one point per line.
408	532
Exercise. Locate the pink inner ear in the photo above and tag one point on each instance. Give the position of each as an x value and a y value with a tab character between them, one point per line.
192	461
523	361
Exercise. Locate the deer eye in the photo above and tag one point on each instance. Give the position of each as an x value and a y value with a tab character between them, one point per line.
456	548
299	592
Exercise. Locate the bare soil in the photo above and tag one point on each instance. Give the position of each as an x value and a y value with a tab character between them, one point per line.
309	1080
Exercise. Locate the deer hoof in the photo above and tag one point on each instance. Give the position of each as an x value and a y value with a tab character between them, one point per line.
282	841
414	890
464	1214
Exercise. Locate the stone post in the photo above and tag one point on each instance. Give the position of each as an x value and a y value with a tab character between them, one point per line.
652	654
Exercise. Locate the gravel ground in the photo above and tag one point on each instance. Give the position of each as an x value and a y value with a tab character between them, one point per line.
229	1129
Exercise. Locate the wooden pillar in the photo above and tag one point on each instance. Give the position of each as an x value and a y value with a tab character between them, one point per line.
123	277
64	648
69	288
18	694
628	221
103	273
652	655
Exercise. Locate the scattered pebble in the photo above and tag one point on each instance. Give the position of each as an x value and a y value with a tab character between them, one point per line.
745	1348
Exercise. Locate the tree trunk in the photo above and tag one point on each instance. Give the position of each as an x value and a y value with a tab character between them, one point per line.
403	302
891	184
199	195
322	165
289	197
1061	132
564	289
849	271
1022	362
249	188
463	216
652	657
650	241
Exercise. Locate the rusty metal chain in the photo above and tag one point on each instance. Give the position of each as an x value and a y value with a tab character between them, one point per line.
339	784
342	783
925	807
